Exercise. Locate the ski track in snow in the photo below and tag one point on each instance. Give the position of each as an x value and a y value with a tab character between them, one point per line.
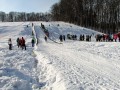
73	65
84	72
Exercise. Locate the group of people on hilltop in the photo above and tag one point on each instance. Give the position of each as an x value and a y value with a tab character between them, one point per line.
98	37
107	37
72	37
88	38
62	38
81	38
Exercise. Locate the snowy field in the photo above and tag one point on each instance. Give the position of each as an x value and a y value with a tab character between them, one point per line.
72	65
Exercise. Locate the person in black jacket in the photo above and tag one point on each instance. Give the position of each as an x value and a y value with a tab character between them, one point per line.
64	37
33	42
18	42
61	38
45	38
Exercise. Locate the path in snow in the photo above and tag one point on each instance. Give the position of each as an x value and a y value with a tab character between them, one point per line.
51	76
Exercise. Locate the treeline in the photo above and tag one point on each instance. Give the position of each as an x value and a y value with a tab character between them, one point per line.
22	16
101	15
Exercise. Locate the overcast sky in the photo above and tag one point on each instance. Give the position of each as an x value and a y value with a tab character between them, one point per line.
26	5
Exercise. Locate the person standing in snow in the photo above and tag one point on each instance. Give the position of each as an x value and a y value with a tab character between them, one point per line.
103	36
45	38
80	38
64	37
23	43
115	37
32	24
61	38
75	37
18	42
87	37
33	42
119	37
90	37
83	37
10	44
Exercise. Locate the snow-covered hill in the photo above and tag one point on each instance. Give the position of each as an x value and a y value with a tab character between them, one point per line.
61	28
72	65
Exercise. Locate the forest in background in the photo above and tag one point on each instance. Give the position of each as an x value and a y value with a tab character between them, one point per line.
22	16
100	15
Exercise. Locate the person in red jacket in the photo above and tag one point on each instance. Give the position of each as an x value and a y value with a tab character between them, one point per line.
23	43
106	37
115	37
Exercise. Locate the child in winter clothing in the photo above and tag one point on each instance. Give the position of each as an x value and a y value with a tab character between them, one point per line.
10	44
